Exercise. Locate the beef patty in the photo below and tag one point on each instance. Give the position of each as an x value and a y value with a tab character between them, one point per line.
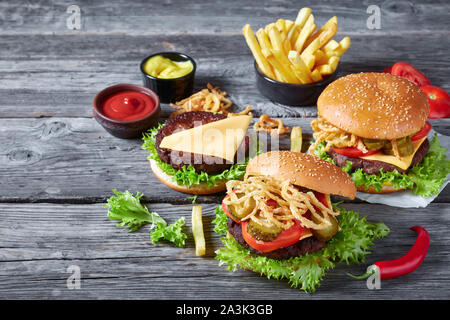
178	159
307	245
373	166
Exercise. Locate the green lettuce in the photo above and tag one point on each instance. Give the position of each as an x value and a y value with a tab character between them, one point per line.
187	176
127	208
424	179
350	245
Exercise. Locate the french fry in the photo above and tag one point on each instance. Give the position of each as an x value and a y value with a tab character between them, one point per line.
308	54
296	139
300	68
300	21
324	69
316	76
288	26
281	26
256	51
327	34
267	27
197	231
326	26
275	38
331	45
306	31
283	66
333	63
344	44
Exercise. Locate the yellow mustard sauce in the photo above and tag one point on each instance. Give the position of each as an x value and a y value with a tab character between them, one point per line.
164	68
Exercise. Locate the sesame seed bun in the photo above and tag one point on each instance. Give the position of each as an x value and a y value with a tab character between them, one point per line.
374	105
303	170
199	189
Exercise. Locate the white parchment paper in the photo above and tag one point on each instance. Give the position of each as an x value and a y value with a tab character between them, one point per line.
407	199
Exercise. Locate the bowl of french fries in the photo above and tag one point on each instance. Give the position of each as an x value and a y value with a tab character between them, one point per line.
295	60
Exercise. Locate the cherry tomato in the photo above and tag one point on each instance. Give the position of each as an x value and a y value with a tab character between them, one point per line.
439	101
354	152
405	70
284	239
422	133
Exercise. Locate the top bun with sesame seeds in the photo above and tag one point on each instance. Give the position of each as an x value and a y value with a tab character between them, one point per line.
374	105
303	170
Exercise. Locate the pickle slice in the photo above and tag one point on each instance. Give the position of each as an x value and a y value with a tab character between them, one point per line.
328	232
373	144
405	147
263	233
240	211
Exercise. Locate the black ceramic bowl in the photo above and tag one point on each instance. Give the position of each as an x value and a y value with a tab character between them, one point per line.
170	90
125	129
291	94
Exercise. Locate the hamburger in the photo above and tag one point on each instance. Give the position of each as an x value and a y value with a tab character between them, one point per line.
281	223
374	126
177	161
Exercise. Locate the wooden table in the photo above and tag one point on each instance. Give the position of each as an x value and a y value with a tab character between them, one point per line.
58	166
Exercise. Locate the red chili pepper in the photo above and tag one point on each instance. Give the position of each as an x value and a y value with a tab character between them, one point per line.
406	264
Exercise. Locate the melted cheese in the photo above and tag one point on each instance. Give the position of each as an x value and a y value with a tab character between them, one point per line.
402	163
218	139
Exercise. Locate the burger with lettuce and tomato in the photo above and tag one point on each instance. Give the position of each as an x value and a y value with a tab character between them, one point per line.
279	220
374	126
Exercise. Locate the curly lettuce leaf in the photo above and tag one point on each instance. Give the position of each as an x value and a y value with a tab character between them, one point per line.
187	176
350	245
424	179
127	208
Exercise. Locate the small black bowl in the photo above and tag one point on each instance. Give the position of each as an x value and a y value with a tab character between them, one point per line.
125	129
170	90
291	94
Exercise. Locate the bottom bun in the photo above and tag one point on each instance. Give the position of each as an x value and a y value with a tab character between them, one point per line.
384	189
203	188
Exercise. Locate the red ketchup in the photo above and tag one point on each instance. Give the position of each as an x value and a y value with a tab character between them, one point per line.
128	105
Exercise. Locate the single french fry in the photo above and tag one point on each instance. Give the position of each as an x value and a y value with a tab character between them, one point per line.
327	34
306	31
340	50
316	76
308	54
197	231
302	16
267	27
345	43
256	51
331	45
324	69
281	26
326	26
296	139
301	70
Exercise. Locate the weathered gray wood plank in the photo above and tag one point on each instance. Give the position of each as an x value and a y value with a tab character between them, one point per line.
40	241
195	17
51	75
75	160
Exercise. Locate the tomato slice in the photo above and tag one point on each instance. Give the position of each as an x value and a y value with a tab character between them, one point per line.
284	239
354	152
439	101
405	70
388	70
422	133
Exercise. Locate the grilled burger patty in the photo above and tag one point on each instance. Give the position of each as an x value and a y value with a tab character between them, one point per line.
300	248
373	166
178	159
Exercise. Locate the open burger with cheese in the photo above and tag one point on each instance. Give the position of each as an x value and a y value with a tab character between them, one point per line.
374	126
197	152
280	221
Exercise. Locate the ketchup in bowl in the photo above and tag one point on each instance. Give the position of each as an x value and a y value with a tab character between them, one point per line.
128	105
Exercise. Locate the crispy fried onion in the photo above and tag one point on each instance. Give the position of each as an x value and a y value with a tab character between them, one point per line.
291	203
334	137
271	126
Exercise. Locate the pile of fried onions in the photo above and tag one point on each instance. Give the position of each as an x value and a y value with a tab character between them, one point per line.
333	136
291	203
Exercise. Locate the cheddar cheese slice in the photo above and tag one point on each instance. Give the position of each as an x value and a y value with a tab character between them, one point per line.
402	163
218	139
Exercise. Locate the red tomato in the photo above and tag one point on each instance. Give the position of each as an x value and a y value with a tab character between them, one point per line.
405	70
284	239
354	152
422	133
439	101
388	70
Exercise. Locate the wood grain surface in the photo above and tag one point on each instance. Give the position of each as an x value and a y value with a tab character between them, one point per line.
58	166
